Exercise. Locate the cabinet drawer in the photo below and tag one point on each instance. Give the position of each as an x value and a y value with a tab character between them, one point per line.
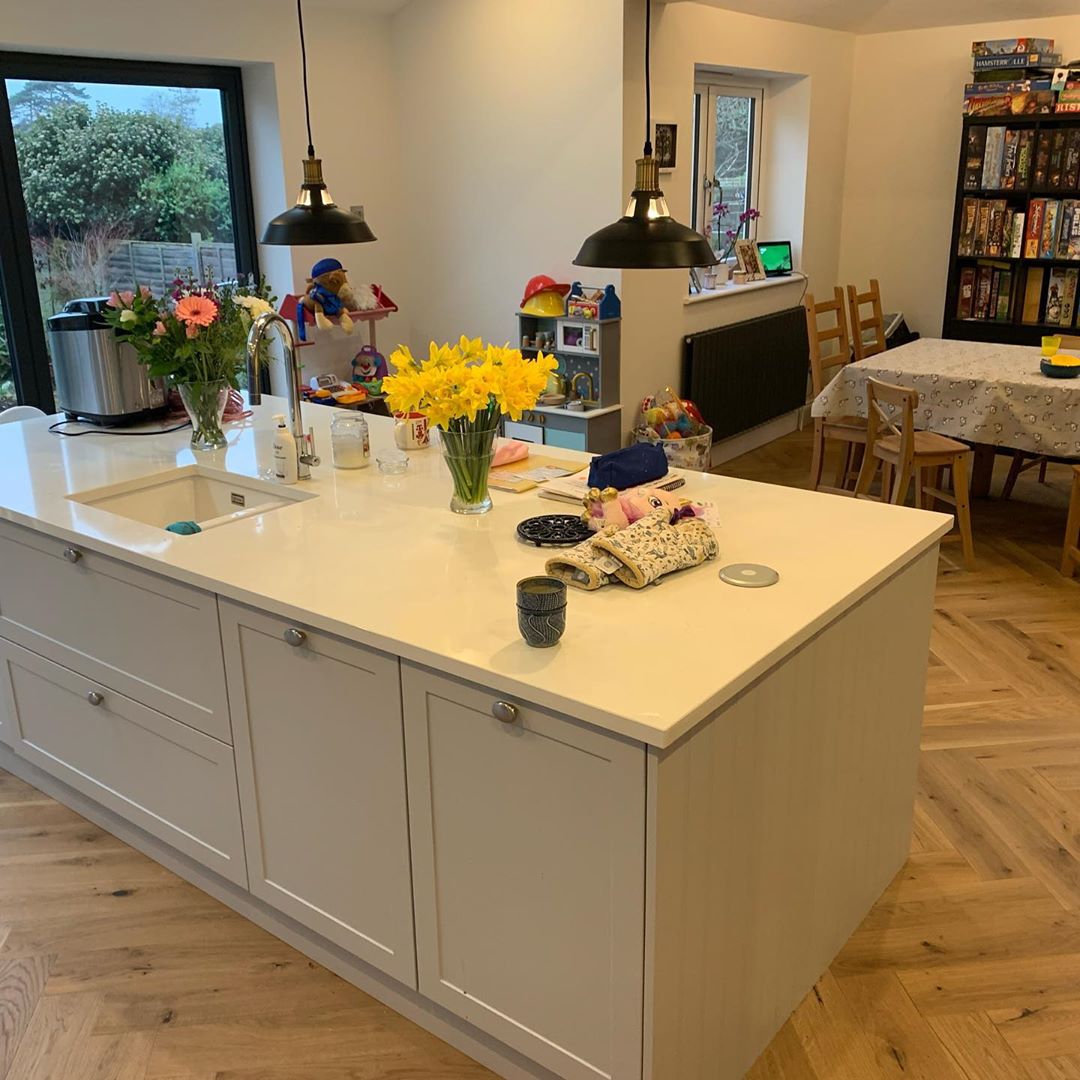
528	848
530	433
152	639
568	440
175	783
320	760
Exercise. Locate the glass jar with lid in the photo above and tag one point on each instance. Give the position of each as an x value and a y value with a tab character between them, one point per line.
350	444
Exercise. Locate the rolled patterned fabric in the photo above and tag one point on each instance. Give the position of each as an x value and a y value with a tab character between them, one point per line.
653	547
584	566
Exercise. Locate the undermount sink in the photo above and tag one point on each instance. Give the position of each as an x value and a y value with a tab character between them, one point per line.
209	497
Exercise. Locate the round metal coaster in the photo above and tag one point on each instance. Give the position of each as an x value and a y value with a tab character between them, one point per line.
749	575
554	530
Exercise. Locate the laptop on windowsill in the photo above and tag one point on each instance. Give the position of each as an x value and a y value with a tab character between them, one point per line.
776	257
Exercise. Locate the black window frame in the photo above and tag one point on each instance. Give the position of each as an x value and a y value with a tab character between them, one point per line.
18	283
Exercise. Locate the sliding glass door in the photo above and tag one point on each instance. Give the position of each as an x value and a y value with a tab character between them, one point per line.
114	174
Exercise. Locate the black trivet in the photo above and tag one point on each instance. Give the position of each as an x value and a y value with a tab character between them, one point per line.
554	530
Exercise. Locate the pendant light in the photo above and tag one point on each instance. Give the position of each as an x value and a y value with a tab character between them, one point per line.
316	218
646	237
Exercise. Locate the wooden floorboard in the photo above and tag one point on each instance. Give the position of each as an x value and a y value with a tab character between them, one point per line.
969	965
967	968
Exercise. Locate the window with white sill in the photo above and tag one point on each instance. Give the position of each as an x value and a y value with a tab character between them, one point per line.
727	158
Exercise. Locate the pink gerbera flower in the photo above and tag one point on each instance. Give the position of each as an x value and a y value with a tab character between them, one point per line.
196	311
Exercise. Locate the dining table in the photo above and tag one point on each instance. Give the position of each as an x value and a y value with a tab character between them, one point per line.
991	396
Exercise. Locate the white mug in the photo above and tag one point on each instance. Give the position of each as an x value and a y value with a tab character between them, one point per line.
411	431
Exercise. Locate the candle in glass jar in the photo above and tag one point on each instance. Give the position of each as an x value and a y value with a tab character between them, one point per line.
349	441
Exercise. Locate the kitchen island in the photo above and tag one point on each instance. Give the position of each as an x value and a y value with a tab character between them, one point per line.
628	856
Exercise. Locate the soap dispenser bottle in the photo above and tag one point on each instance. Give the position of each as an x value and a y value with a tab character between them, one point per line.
285	454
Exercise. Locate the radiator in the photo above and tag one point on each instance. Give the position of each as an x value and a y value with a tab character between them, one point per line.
744	374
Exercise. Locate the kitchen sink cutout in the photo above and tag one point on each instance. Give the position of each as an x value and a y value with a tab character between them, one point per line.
209	497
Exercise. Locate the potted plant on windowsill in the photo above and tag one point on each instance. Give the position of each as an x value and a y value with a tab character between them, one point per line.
731	235
721	272
194	337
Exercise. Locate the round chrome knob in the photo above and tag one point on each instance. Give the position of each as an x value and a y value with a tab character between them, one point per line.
95	698
504	712
73	555
294	637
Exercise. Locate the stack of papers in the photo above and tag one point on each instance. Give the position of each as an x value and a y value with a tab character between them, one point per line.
524	475
574	488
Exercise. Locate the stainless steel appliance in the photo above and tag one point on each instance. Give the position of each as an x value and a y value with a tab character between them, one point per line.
98	377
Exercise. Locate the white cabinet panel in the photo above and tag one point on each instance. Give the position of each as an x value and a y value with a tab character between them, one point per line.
528	846
321	765
175	783
530	433
149	638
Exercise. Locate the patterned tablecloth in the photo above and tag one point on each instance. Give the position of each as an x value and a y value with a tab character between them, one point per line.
980	392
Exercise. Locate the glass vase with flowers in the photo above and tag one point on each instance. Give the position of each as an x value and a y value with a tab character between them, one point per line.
194	337
463	390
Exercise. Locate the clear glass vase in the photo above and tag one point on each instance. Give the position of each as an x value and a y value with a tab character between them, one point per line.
205	405
468	453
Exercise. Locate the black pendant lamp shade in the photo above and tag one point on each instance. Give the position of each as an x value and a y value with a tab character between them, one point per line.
646	237
316	218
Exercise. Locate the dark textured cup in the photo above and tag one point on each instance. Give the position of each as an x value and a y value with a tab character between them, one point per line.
541	603
542	629
541	593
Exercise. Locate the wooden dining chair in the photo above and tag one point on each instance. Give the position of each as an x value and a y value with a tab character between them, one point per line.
830	348
1022	460
861	345
905	454
1070	556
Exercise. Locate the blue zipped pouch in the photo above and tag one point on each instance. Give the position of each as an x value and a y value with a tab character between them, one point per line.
628	467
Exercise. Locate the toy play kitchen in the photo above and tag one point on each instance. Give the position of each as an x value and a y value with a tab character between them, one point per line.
580	325
331	301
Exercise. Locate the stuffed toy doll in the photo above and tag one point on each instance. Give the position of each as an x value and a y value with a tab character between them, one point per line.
369	368
623	508
329	295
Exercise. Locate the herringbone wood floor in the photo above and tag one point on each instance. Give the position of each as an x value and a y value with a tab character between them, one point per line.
111	968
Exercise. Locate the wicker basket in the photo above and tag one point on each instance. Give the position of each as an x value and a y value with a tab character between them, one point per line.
690	452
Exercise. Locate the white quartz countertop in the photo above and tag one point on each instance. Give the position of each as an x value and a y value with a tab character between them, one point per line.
382	561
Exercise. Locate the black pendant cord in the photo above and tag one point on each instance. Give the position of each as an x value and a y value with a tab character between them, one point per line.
303	66
648	78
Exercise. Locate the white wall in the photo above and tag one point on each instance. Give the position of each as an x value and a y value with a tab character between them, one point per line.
511	130
347	53
903	153
800	196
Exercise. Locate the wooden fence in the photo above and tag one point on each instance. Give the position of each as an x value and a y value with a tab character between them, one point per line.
158	265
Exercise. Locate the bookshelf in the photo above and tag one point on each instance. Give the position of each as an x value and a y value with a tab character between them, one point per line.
1028	290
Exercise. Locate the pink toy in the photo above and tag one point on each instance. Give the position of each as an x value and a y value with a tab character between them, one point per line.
622	508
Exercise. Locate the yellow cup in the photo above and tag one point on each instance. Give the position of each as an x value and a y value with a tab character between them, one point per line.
1050	345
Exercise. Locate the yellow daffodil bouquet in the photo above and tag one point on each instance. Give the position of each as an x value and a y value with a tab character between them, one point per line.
463	389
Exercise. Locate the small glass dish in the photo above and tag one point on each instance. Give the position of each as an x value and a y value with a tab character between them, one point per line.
392	462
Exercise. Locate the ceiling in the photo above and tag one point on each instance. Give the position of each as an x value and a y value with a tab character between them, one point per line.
877	16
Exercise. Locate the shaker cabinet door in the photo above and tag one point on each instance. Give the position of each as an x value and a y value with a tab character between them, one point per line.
176	783
321	767
528	848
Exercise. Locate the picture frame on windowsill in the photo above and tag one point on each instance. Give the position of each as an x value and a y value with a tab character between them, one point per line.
749	259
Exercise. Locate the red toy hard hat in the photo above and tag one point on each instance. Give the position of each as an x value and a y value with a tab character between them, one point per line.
542	283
